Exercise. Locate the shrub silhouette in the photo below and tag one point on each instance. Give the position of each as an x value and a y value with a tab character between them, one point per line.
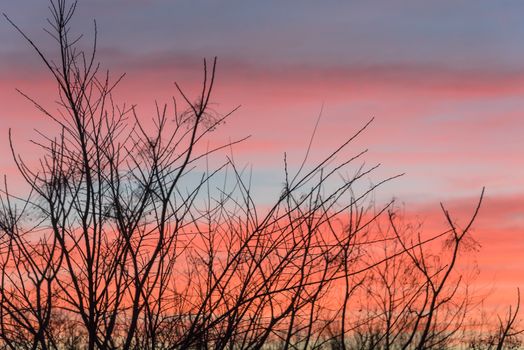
126	240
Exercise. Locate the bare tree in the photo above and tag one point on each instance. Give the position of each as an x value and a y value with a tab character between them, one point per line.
128	240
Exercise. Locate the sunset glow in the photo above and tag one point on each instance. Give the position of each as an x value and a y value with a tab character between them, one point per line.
444	82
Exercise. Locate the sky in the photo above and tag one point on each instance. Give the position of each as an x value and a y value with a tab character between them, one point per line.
444	81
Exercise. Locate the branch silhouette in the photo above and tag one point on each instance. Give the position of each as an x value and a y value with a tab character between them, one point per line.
128	239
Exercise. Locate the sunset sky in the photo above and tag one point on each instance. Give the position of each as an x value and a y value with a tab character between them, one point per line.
444	81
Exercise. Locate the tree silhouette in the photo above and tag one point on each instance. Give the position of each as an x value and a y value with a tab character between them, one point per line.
128	240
